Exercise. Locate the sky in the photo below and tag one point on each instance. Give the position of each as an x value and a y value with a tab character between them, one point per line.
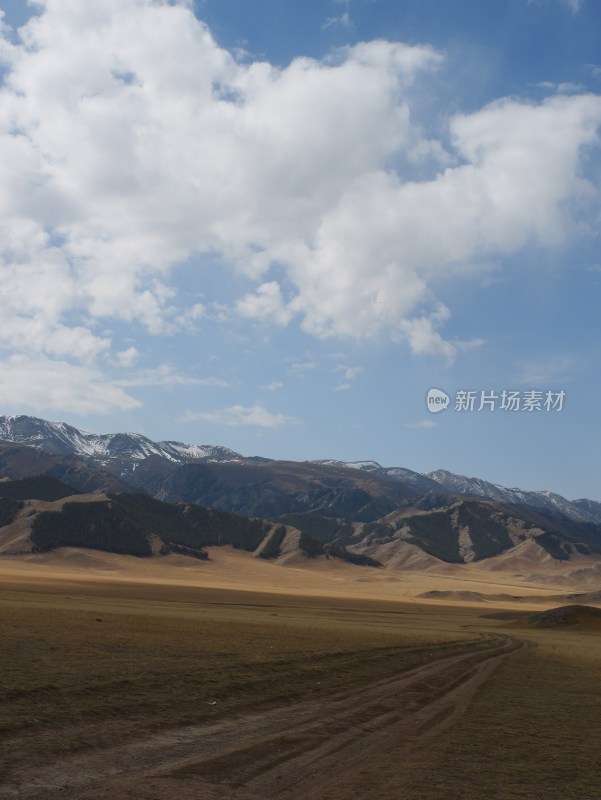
276	226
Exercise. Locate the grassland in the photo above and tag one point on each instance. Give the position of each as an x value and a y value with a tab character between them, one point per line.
532	733
85	665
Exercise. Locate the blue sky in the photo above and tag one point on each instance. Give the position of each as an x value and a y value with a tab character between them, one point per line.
274	226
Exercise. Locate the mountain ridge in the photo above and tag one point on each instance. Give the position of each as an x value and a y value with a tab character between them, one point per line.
543	499
61	438
363	492
41	514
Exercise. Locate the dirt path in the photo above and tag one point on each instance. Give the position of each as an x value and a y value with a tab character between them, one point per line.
315	749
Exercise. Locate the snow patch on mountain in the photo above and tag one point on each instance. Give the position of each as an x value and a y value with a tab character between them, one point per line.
416	480
196	452
60	438
543	500
123	451
368	466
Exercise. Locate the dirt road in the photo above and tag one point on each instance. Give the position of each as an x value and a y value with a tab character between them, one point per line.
324	749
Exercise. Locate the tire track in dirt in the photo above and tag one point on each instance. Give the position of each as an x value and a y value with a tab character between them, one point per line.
313	748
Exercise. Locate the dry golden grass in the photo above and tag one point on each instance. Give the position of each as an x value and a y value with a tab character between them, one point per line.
532	732
229	569
84	665
91	664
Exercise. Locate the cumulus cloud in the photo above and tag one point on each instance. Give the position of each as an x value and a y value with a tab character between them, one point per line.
127	358
380	250
424	339
132	143
43	383
266	303
256	415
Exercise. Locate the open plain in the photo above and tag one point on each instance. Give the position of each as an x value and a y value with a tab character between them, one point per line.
125	678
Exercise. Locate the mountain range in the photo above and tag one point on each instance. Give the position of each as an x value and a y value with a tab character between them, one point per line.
374	513
39	514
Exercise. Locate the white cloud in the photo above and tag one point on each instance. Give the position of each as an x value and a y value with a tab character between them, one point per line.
164	375
548	370
117	159
423	424
127	358
344	21
273	386
186	320
349	373
424	339
256	415
119	125
573	5
267	303
379	252
42	384
564	87
302	366
594	69
471	344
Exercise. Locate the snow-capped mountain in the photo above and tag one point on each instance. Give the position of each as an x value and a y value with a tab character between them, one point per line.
442	480
591	507
195	452
545	501
417	481
61	439
148	466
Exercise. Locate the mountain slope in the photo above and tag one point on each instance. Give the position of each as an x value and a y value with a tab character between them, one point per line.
442	480
461	531
55	516
19	461
418	482
146	465
38	487
273	488
591	507
547	501
139	525
377	512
